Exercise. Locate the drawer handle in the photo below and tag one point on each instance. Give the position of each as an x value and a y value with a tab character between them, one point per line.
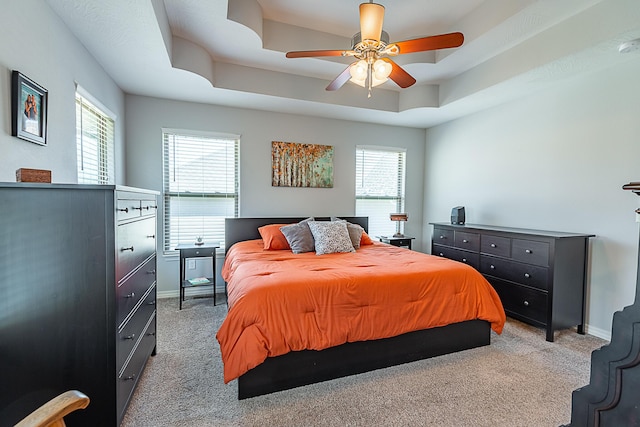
464	260
527	275
526	303
127	249
151	302
151	272
465	241
140	209
131	295
528	251
441	254
125	210
442	237
493	245
150	334
153	236
129	378
129	337
493	267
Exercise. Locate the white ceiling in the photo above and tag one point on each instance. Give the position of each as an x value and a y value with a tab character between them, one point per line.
232	52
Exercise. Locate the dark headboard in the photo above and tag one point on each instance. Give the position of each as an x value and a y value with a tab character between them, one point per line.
239	229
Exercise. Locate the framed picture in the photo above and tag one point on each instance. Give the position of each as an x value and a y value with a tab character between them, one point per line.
28	109
301	165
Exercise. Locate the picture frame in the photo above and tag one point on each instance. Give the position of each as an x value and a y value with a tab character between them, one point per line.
28	109
301	165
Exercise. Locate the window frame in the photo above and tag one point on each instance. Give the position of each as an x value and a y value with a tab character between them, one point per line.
105	121
399	198
169	243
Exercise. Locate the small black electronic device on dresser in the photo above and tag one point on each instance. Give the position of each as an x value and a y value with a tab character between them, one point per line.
77	297
457	215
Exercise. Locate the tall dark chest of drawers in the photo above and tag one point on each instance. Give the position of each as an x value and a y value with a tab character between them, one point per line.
77	296
539	275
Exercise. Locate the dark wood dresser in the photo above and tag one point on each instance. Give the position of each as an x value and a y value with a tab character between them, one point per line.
539	275
77	296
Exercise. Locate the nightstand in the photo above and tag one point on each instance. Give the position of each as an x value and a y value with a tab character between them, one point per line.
206	250
402	242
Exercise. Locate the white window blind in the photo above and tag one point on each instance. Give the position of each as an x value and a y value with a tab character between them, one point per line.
94	141
380	183
200	187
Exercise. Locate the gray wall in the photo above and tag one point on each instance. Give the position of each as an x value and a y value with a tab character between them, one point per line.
554	161
49	54
146	117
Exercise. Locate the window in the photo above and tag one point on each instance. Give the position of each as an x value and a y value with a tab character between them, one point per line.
200	186
94	141
380	181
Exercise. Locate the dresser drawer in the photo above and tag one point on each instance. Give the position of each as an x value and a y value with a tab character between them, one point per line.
133	288
466	240
443	236
127	209
471	258
526	274
135	242
148	207
131	332
520	301
129	374
530	251
495	245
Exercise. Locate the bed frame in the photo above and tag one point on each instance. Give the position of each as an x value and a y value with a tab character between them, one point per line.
305	367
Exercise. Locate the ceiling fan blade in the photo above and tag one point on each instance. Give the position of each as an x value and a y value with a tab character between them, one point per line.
442	41
399	75
342	78
313	53
371	17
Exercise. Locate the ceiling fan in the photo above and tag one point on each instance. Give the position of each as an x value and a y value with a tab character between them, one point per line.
372	49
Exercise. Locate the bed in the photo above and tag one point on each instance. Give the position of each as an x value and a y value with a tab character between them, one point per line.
345	327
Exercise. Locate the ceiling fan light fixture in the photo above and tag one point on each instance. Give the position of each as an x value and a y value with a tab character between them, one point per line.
381	70
371	17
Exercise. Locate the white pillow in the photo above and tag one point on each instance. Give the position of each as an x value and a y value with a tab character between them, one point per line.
330	237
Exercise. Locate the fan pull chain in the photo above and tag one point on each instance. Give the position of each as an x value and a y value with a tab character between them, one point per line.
369	78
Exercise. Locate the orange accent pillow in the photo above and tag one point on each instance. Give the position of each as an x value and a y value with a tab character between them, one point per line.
273	238
365	239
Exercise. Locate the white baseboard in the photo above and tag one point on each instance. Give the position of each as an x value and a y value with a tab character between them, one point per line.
597	332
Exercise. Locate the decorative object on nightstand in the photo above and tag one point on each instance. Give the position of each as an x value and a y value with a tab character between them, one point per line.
401	242
399	217
197	250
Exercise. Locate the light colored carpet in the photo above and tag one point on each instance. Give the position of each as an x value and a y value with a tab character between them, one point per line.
519	380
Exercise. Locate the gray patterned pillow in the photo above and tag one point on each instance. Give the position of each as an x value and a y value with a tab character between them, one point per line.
330	237
299	236
355	231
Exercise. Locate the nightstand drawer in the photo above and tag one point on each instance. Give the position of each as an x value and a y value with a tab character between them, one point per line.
198	252
495	245
470	258
443	236
465	240
530	251
525	274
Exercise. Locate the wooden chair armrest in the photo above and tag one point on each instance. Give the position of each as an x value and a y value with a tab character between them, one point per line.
51	414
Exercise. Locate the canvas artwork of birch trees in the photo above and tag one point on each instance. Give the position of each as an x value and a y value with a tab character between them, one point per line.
301	165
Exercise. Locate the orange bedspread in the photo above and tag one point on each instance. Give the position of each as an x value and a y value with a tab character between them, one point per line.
281	302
